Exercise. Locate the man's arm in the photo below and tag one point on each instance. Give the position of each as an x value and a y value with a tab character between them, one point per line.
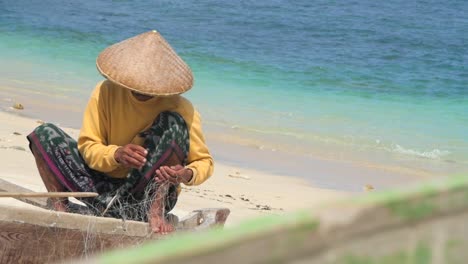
200	161
92	142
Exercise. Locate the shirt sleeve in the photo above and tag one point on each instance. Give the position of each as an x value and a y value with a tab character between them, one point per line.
92	142
199	158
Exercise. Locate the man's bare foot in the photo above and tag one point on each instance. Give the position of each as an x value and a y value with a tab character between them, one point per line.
58	205
156	219
159	225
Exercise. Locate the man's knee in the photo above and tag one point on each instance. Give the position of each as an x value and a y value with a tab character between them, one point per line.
46	125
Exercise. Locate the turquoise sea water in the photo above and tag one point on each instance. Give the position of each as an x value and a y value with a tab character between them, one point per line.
373	83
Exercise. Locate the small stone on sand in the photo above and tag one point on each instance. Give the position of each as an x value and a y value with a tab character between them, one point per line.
18	106
238	175
18	148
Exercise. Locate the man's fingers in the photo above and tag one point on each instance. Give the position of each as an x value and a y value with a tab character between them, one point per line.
171	174
138	149
131	155
165	173
136	155
132	162
133	152
179	172
177	167
133	158
161	177
168	176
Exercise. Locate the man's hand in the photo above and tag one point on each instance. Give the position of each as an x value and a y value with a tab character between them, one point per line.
131	156
174	174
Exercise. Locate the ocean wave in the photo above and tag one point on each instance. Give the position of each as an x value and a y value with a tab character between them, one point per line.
433	154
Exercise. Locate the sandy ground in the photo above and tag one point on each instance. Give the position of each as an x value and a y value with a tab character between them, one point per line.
246	192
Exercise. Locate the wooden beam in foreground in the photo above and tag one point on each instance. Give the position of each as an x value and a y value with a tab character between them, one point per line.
426	223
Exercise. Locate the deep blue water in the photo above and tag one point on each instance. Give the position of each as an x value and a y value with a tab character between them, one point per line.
312	77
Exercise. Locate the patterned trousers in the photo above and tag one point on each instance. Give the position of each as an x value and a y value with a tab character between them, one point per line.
167	136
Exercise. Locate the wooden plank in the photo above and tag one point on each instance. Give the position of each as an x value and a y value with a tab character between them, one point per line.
47	194
28	243
43	236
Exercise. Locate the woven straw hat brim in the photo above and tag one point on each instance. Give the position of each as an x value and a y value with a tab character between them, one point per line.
147	64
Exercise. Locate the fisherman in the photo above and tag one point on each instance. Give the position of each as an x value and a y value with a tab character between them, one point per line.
140	139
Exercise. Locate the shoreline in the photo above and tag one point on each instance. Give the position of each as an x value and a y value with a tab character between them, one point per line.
249	180
339	174
277	154
248	193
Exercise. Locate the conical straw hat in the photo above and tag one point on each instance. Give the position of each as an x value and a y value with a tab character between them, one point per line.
147	64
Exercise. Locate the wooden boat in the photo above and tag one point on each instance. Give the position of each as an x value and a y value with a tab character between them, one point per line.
421	224
35	235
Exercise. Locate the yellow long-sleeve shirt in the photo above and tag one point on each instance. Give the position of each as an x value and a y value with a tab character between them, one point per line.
114	117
